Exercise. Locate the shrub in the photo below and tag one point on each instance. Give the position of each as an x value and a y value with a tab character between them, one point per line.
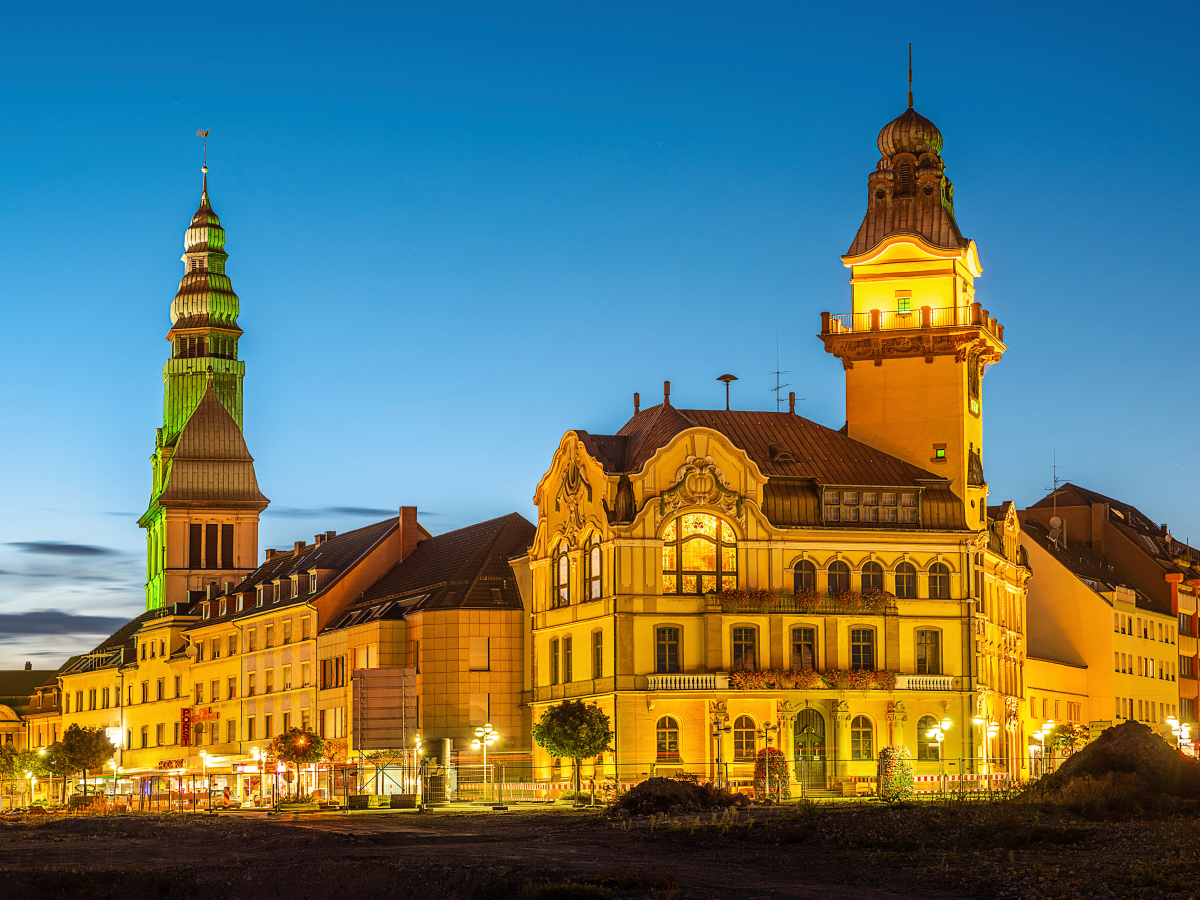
771	775
895	774
655	795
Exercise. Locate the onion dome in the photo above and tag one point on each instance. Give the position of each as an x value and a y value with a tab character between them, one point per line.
910	132
205	297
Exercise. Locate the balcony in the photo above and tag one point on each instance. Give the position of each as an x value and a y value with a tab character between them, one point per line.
924	682
925	317
717	681
872	603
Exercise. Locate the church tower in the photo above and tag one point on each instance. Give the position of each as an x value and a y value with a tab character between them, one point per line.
202	521
916	344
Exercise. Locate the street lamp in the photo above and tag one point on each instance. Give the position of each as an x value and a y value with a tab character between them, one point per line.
765	734
484	738
204	777
938	733
257	753
720	726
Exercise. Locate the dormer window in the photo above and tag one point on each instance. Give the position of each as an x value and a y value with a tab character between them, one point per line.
259	592
223	608
240	602
205	609
312	582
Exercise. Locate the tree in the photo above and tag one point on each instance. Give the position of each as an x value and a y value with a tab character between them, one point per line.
297	747
86	748
574	730
8	765
1068	737
57	763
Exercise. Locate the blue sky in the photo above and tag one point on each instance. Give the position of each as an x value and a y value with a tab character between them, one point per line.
458	233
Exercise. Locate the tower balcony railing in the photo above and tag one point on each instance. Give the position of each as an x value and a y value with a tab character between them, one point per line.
921	317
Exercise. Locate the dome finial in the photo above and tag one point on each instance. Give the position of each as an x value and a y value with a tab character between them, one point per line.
909	77
203	133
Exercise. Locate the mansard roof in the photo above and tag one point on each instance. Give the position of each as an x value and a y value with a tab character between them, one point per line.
796	454
462	569
211	465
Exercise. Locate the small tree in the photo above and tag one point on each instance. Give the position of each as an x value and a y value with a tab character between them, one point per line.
895	775
58	764
771	775
1068	737
574	730
8	766
297	747
86	748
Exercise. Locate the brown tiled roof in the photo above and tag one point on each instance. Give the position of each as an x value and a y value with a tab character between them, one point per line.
106	654
456	570
211	465
337	553
17	685
798	456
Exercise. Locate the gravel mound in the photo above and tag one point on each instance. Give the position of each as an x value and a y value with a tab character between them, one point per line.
657	795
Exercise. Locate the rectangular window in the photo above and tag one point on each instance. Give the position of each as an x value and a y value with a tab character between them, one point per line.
804	649
270	636
251	684
230	730
554	661
250	735
178	686
333	672
269	681
287	678
745	648
250	640
216	648
226	546
929	652
232	688
304	623
145	692
160	689
199	693
287	631
567	661
175	733
597	654
304	674
145	736
1185	667
903	306
210	547
1185	623
287	722
478	656
268	732
862	648
233	645
195	546
908	509
160	731
480	709
666	651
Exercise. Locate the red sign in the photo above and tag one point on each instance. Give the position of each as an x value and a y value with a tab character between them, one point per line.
185	726
205	714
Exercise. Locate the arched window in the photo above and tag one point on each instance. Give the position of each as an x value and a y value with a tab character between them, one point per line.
939	581
906	581
805	578
839	577
862	739
927	747
699	555
745	649
667	738
872	576
562	577
743	738
592	562
929	651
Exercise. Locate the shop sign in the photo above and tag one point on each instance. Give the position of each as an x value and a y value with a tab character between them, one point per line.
185	726
171	763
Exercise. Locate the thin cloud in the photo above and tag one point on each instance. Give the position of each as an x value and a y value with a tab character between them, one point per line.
61	548
296	512
51	621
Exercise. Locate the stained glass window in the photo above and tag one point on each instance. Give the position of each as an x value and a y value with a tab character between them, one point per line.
699	555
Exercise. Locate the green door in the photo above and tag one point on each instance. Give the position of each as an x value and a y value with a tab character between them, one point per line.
810	748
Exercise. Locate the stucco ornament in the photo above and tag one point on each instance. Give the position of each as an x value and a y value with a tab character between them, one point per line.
700	482
573	491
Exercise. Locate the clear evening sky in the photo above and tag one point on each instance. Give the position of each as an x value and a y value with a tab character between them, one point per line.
458	234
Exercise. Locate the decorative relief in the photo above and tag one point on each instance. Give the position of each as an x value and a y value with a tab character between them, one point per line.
700	482
718	711
573	492
851	348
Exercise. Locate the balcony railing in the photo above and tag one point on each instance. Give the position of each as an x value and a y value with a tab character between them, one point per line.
717	681
870	603
922	317
924	683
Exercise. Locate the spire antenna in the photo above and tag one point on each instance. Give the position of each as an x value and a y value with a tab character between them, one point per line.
909	77
203	133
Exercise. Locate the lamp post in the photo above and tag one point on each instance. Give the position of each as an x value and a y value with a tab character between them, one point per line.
720	726
938	734
257	753
484	738
204	777
765	734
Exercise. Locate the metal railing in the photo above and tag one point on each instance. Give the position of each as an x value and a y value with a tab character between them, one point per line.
825	605
918	317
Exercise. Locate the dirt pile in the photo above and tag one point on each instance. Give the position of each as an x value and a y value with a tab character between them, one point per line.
657	795
1128	769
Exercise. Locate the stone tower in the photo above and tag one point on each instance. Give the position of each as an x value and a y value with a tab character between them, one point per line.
202	521
916	343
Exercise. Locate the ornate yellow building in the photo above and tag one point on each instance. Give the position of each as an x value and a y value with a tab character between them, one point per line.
716	580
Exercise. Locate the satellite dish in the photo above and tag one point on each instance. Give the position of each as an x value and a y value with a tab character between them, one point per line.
1055	521
190	651
1055	528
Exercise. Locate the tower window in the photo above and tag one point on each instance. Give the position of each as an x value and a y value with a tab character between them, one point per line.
904	305
880	195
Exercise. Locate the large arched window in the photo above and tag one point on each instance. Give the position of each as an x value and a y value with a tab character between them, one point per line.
562	577
862	739
667	734
699	555
927	747
939	581
906	581
805	578
592	575
743	738
872	576
839	577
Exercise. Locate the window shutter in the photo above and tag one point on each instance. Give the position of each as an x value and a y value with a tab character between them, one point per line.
195	537
210	546
226	546
478	657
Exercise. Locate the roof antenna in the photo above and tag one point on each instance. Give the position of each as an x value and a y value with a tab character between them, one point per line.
727	379
910	75
203	133
1056	524
778	387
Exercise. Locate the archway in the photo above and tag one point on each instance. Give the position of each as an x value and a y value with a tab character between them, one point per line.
809	746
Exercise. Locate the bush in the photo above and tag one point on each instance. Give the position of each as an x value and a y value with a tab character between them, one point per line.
895	776
658	795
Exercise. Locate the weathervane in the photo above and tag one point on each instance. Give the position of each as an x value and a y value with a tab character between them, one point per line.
203	133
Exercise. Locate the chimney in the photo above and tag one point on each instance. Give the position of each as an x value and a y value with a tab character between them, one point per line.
229	587
637	403
318	540
299	548
666	393
330	535
792	402
28	666
210	590
409	533
270	554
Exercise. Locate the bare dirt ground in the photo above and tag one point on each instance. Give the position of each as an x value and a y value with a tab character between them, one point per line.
863	851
